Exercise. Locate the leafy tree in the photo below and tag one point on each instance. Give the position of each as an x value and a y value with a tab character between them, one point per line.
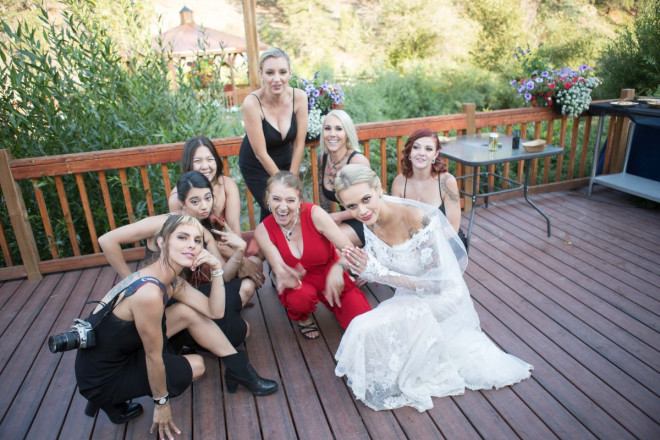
632	59
501	26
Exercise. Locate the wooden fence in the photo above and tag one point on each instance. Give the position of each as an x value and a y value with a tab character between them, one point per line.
34	178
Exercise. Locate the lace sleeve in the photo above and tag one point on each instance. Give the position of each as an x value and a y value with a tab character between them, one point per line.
429	266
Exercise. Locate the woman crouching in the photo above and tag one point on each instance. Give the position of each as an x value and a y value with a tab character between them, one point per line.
131	357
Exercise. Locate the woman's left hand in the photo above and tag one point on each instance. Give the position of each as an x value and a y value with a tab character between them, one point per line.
205	257
334	285
163	421
356	259
229	238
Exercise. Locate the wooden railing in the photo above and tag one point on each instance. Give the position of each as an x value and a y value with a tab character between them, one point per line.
34	178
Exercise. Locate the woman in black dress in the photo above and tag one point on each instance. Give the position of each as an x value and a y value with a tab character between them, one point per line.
275	119
131	356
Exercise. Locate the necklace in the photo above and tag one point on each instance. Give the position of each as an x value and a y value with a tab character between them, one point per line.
336	164
288	232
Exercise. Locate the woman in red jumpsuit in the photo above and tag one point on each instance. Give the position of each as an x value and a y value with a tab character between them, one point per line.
299	241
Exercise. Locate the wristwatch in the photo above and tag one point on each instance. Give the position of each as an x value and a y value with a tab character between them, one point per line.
162	400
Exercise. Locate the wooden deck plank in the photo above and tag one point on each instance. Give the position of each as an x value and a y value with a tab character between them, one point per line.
584	314
635	274
611	304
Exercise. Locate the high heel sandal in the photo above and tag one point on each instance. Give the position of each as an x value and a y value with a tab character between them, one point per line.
239	371
118	414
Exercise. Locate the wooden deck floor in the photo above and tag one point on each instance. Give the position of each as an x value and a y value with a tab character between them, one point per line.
582	307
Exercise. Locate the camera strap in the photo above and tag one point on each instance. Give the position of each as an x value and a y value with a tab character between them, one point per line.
129	286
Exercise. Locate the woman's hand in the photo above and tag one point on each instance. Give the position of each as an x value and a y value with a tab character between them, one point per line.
356	259
334	284
289	278
205	257
163	421
229	238
253	270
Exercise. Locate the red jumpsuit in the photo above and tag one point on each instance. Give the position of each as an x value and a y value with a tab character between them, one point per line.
318	257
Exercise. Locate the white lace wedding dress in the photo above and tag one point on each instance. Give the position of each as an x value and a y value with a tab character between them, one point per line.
426	340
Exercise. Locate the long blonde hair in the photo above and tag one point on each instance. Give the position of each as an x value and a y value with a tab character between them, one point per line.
349	127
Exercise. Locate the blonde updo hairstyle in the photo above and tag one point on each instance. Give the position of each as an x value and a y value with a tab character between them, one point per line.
349	127
354	174
273	52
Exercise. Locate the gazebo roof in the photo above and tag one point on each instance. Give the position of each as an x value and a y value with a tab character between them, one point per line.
188	39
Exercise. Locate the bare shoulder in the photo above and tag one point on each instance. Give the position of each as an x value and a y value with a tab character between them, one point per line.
397	185
415	218
360	159
448	179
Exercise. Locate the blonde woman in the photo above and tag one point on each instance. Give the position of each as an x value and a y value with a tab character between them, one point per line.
275	118
340	146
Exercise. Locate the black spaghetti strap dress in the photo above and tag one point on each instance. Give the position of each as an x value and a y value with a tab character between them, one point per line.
280	150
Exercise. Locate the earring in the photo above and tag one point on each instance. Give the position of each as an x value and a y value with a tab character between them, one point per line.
409	158
433	162
298	210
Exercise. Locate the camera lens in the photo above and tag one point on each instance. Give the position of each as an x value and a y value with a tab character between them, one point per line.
64	342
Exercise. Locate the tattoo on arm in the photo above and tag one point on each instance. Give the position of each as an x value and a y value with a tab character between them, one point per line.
453	197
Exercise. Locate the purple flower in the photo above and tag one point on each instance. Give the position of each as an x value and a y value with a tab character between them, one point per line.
545	74
316	93
527	96
529	85
513	83
538	79
583	67
521	88
312	101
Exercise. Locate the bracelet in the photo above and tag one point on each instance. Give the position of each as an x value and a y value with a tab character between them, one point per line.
234	259
162	400
217	273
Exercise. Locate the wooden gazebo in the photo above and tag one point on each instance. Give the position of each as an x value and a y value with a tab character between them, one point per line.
185	41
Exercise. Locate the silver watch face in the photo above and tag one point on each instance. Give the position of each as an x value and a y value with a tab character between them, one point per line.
162	401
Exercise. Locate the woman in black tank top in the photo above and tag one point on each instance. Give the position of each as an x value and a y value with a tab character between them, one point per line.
340	146
275	118
422	171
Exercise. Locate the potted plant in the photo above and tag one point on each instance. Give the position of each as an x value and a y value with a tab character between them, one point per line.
567	90
322	96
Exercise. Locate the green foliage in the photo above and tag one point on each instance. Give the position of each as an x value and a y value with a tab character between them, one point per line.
500	22
419	92
68	88
632	59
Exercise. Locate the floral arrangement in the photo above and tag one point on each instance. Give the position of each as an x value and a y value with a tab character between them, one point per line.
566	88
321	98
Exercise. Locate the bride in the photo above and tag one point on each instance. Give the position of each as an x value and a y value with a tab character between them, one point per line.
426	340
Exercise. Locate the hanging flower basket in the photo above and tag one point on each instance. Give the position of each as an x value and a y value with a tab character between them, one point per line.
567	91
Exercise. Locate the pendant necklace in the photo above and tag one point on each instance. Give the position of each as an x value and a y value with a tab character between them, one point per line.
336	164
288	232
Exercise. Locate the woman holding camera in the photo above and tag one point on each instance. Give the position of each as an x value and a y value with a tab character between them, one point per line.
131	357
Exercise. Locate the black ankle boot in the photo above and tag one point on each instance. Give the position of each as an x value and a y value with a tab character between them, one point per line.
238	370
118	414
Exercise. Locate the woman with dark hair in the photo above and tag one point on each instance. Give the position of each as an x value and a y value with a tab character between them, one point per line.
131	357
196	193
339	143
275	119
199	154
422	171
425	341
299	242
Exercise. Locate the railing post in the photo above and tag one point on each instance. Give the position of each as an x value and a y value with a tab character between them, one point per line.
18	217
471	128
620	138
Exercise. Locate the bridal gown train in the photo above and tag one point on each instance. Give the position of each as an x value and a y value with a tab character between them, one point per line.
426	340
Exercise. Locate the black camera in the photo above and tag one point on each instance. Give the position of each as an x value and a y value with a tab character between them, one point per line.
81	336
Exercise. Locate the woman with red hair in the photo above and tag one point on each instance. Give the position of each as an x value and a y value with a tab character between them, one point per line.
422	171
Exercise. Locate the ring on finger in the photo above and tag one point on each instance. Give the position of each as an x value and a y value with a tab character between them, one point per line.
357	264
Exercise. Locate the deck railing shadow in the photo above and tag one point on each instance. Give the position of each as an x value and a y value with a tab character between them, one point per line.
54	224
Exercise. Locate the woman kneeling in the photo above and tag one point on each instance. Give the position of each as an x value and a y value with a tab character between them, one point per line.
131	357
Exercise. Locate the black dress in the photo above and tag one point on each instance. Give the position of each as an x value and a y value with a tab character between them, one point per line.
280	150
355	224
115	370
